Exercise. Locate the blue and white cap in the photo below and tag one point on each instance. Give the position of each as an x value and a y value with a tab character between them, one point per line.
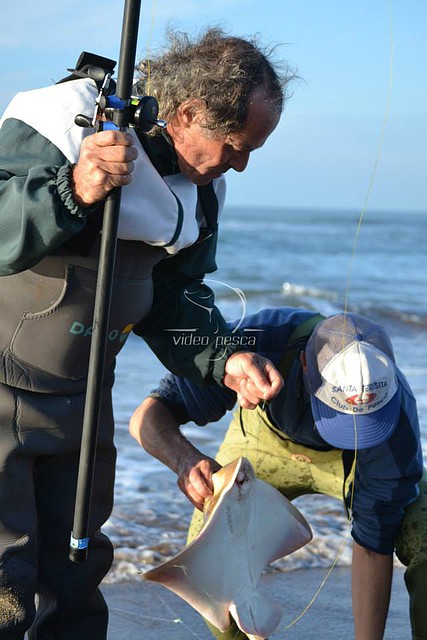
352	378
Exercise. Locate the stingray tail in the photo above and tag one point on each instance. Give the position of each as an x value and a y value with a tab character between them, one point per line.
258	617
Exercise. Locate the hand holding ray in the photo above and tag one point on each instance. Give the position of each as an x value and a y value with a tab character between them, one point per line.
248	524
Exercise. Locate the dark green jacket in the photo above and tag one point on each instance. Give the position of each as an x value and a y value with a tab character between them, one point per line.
48	260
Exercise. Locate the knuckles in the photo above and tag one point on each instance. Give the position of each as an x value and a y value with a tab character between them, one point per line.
112	146
106	161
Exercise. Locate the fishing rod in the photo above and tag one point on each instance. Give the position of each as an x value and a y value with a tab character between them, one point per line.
119	111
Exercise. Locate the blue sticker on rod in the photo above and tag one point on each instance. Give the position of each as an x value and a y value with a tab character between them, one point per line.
79	543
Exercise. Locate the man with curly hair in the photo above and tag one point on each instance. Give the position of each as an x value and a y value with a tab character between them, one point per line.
221	97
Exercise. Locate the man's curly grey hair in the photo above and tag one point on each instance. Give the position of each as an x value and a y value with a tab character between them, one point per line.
219	70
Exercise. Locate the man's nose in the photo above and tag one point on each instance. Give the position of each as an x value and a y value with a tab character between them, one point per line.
239	160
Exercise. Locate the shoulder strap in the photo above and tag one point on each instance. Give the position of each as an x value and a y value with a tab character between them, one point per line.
209	203
160	150
348	459
297	341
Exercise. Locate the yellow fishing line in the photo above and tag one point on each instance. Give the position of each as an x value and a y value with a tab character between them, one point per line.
344	541
377	159
148	48
346	300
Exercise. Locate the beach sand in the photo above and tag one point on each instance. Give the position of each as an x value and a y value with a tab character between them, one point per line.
147	611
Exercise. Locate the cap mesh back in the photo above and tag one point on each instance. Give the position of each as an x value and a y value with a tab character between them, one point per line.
333	335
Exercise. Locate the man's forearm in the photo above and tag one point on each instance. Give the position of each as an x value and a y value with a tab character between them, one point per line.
371	586
157	431
155	428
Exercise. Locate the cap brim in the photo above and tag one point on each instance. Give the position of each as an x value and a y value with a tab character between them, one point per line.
345	431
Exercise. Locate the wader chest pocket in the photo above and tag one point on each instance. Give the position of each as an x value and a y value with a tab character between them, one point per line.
57	340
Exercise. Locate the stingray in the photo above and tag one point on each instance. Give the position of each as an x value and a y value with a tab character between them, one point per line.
248	524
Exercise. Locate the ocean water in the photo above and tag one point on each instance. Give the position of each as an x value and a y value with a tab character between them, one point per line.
320	260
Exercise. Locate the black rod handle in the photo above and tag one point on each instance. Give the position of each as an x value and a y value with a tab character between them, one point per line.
80	534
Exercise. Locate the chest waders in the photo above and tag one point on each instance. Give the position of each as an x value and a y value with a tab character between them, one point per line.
296	470
293	468
290	467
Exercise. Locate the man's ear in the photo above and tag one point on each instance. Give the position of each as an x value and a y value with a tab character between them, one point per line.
190	112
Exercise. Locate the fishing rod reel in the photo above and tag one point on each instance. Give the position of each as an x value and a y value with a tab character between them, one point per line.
112	112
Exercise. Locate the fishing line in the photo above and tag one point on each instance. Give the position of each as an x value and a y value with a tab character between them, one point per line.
343	542
176	618
346	301
148	47
377	159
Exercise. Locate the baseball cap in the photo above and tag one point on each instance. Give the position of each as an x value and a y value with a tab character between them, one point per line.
352	378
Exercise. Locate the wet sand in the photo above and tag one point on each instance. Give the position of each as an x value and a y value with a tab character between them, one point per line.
147	611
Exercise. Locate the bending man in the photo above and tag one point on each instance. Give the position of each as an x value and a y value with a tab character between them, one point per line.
344	424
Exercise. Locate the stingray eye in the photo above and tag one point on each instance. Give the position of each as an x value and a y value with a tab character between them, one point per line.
242	483
241	477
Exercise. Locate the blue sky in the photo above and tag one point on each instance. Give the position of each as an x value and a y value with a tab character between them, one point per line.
325	148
